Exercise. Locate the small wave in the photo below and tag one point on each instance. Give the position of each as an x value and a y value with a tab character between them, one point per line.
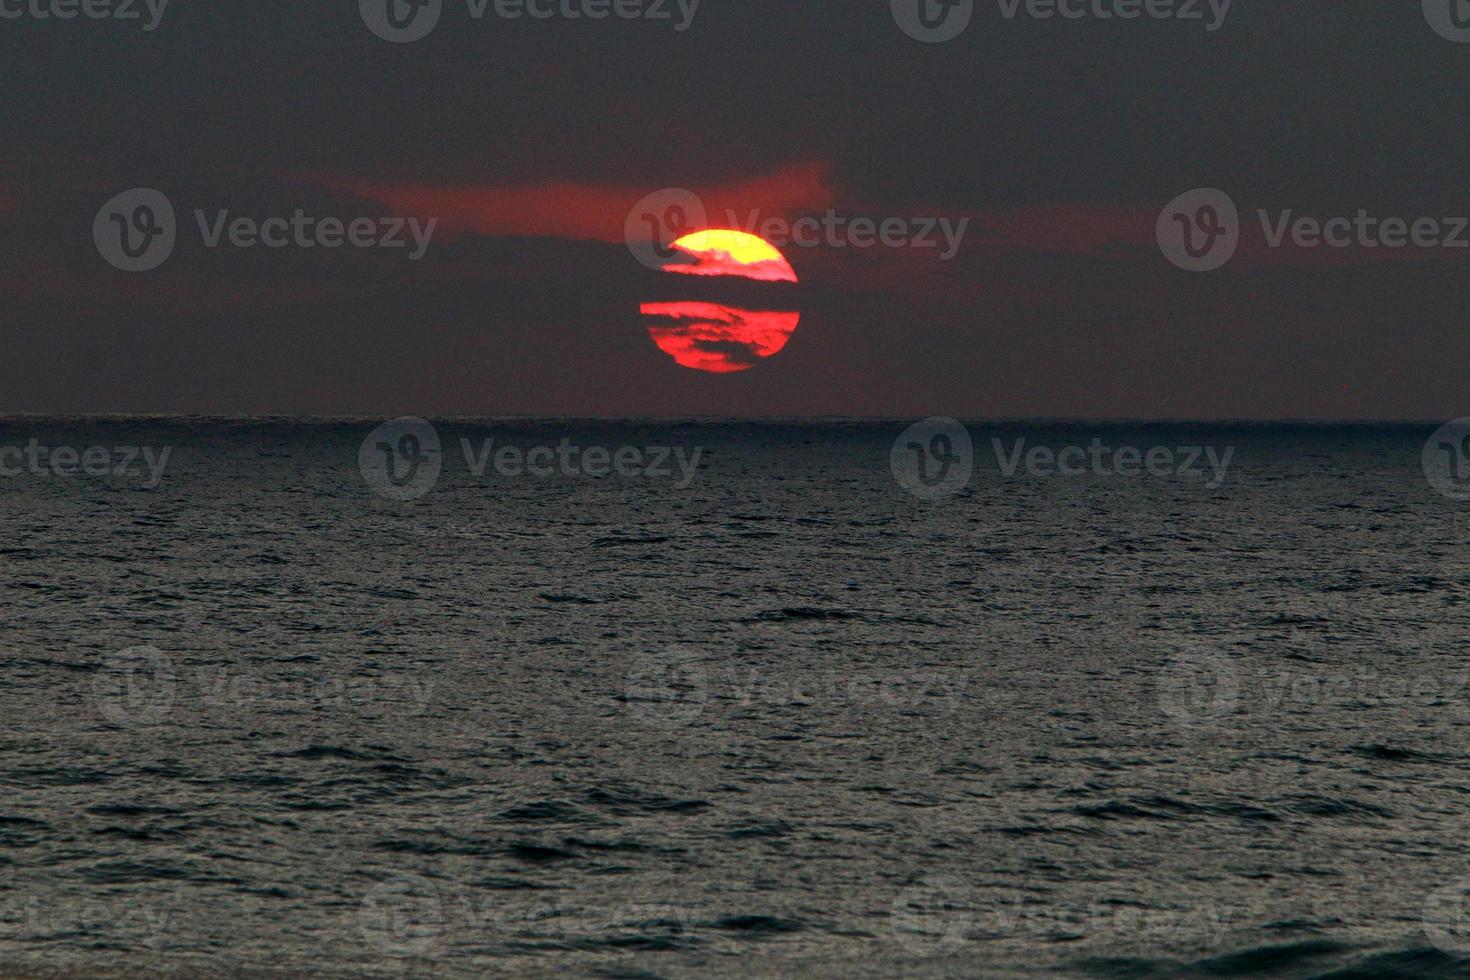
1262	961
630	846
1168	808
1117	810
773	828
126	872
638	942
626	802
756	925
1408	964
1265	960
339	752
131	810
1321	806
542	810
538	853
80	667
20	822
1304	622
806	612
1388	753
1037	830
138	834
614	541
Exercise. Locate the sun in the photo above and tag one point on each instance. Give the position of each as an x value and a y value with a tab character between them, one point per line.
722	252
719	337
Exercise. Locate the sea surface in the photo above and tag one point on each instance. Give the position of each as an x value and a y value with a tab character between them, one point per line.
267	714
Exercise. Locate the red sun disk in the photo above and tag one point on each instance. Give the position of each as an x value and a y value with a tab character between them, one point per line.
715	337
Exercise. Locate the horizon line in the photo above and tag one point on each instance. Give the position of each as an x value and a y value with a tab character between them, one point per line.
978	420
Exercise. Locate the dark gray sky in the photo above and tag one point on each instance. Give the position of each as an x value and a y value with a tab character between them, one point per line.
1060	140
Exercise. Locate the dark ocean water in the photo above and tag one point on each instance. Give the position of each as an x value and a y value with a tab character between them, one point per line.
779	718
